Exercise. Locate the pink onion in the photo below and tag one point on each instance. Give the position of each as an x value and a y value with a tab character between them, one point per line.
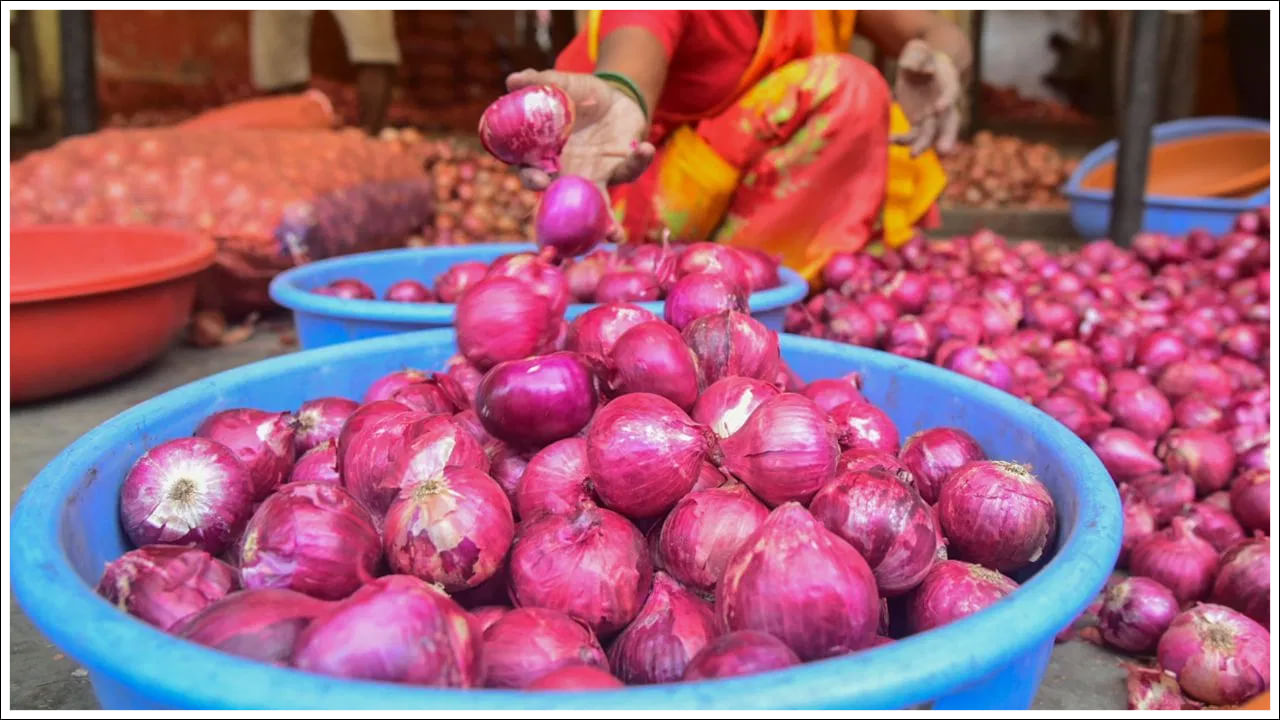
732	343
958	322
453	283
1218	655
1166	494
981	364
583	275
932	455
1196	411
1139	522
466	378
1145	411
996	514
1125	454
262	440
886	521
540	275
1245	340
882	309
409	291
908	291
1053	316
321	419
1089	381
1250	499
452	529
725	406
644	454
1204	455
590	564
425	397
799	582
573	216
1178	559
628	286
953	590
1244	580
556	480
487	615
1160	349
861	425
596	331
576	677
1135	612
347	289
699	294
506	467
1215	525
744	652
164	584
188	491
704	529
714	259
859	460
319	464
910	337
656	260
762	269
388	385
831	393
672	627
313	538
1190	376
1065	353
528	126
500	319
364	637
261	625
785	451
527	643
538	400
652	358
427	447
1076	412
842	266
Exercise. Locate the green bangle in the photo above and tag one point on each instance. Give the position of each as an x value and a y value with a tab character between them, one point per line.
629	87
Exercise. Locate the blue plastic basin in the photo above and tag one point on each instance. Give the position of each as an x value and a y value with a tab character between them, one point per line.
1091	209
322	320
65	530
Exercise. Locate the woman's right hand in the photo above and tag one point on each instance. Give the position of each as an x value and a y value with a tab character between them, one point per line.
607	144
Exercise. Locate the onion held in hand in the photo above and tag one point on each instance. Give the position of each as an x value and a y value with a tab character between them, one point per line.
785	451
262	440
745	652
672	627
535	401
165	584
261	625
953	590
1218	655
932	455
573	216
652	358
1135	612
996	514
527	643
704	529
528	126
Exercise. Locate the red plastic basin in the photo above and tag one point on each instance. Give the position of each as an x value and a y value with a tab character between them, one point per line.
88	304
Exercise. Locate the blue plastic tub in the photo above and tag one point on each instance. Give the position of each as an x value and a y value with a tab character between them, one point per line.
66	530
323	320
1091	209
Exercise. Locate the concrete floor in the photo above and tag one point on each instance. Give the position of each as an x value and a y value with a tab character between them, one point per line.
1081	676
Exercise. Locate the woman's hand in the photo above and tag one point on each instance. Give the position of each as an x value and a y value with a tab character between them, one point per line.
928	90
607	143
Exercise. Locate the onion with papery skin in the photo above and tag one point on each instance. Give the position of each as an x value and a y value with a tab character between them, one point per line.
785	451
1125	454
409	291
1160	349
1154	689
388	385
590	564
506	467
500	319
1145	411
319	464
858	460
426	446
704	529
165	584
762	269
625	286
799	582
1178	559
714	259
425	397
1166	494
831	393
910	337
852	325
535	401
573	216
996	514
313	538
1089	381
672	627
347	289
527	643
725	406
1191	376
487	615
364	637
528	126
1135	612
1204	455
466	378
541	276
700	294
861	425
886	521
932	455
1218	655
576	678
452	283
1139	522
1195	411
452	529
953	590
583	274
556	480
1250	499
261	625
1076	412
320	420
644	453
652	358
981	364
188	491
744	652
1215	525
732	343
596	331
262	440
1244	580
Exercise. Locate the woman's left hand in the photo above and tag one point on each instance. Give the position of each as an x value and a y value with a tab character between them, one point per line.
928	91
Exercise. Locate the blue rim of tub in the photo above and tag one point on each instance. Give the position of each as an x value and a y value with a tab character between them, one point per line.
1174	130
292	289
927	665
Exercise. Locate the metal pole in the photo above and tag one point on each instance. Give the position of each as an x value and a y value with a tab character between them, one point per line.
1139	114
79	86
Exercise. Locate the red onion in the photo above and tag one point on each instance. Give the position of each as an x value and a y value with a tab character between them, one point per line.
262	440
644	454
425	397
852	325
409	291
1195	411
762	269
886	521
842	266
882	309
908	291
709	476
594	332
1030	381
1139	522
628	286
1204	455
487	615
958	322
188	491
1244	580
1033	342
347	289
910	337
725	406
745	652
364	637
320	420
319	464
1144	410
1213	524
527	643
831	393
1126	380
1066	353
453	283
671	628
538	400
1113	352
932	455
1243	438
714	259
555	480
1053	316
1135	612
583	275
500	319
1250	499
981	364
953	590
573	216
652	358
452	529
1154	689
1078	414
1190	376
799	582
1178	559
996	514
425	447
465	379
528	126
785	451
861	425
732	343
1222	499
576	678
1166	494
313	538
367	416
261	625
699	294
860	460
1218	655
385	387
541	276
656	260
590	564
1089	381
1247	341
704	529
506	467
164	584
1250	407
1125	454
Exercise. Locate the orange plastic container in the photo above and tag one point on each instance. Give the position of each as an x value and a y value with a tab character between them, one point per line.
88	304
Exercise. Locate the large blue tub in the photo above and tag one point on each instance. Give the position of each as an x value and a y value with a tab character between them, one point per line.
322	320
65	530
